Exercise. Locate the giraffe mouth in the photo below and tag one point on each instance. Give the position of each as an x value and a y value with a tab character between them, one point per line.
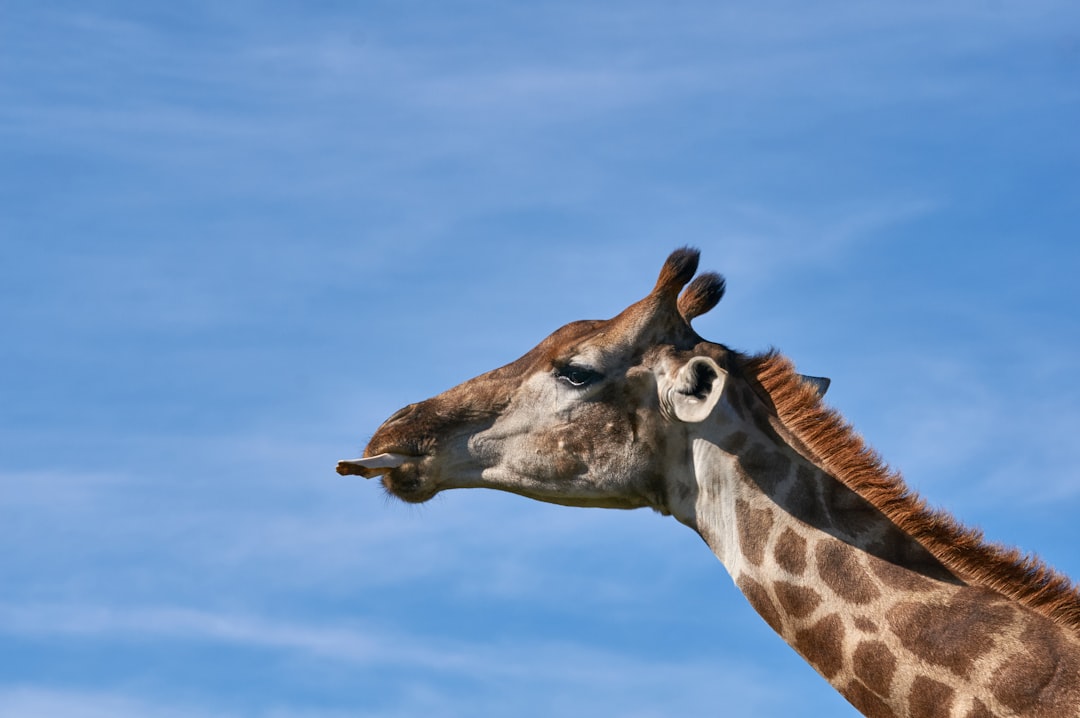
372	466
401	474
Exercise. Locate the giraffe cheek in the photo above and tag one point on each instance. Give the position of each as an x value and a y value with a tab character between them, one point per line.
568	466
549	459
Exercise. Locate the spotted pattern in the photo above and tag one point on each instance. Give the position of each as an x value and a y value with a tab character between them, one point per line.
822	645
754	527
866	701
790	552
759	598
930	698
1041	680
902	610
898	577
797	601
952	634
840	570
795	582
874	665
865	625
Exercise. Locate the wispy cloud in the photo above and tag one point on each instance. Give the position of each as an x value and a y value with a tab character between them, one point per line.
236	240
183	624
50	702
569	672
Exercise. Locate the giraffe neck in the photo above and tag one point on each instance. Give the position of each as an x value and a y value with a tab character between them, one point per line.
865	604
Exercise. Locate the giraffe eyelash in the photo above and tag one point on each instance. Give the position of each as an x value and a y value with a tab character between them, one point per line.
577	376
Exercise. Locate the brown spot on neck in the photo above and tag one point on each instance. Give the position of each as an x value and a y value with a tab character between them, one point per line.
866	701
874	665
797	601
1041	677
930	699
865	624
841	571
822	645
952	633
754	526
759	598
790	552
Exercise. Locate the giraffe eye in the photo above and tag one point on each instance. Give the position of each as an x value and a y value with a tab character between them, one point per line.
577	375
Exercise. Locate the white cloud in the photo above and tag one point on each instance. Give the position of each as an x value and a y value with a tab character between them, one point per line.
184	624
38	701
230	181
571	677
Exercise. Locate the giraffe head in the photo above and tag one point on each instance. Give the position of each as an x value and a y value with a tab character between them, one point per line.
638	410
597	414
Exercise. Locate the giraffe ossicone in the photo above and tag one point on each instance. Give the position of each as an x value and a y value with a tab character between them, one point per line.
901	608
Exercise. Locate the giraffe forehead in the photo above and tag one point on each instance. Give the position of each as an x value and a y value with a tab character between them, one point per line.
601	348
626	338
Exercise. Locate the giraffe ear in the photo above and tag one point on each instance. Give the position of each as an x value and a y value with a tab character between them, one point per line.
820	383
695	389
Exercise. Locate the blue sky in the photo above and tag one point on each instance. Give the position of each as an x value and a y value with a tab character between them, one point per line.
236	236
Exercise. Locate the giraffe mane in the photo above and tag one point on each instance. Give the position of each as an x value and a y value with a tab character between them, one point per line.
963	550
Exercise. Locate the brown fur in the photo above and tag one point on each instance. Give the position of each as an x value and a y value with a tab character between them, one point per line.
930	698
790	552
704	293
822	645
679	269
964	551
874	665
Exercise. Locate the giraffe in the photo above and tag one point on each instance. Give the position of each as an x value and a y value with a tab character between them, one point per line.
905	611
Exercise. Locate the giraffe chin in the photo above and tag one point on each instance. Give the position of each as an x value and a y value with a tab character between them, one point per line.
409	485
